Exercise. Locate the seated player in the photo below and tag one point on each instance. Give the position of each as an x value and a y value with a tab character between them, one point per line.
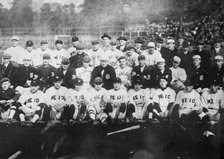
213	101
163	99
139	100
31	103
77	100
55	98
116	100
97	104
8	99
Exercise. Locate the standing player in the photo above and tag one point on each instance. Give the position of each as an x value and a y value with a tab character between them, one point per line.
55	98
31	103
139	100
116	100
77	100
97	103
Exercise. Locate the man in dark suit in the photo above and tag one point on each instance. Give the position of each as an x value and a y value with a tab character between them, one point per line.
216	50
122	43
105	71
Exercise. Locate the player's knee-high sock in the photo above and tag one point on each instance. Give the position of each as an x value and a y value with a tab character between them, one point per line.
109	108
35	118
92	113
22	117
12	112
130	110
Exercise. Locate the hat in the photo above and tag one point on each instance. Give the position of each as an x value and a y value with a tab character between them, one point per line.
34	83
75	38
185	44
141	57
161	60
129	47
159	40
117	80
123	38
15	38
113	42
65	61
189	82
86	59
170	41
105	35
6	56
80	46
104	57
58	42
176	59
163	77
122	57
151	45
137	80
98	80
57	78
94	42
29	43
78	82
43	42
5	80
200	42
196	57
216	40
139	40
218	57
215	82
46	56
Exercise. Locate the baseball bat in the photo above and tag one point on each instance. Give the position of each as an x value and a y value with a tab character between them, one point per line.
15	155
125	129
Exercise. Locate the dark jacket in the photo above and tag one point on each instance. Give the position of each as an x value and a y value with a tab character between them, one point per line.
205	58
6	72
108	76
67	77
186	61
168	55
157	74
200	78
76	61
119	48
214	53
217	74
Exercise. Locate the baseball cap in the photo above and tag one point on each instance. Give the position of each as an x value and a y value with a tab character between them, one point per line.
5	80
122	38
117	80
185	44
196	57
86	59
34	83
188	82
161	60
94	42
139	40
163	77
65	61
6	56
176	59
141	57
170	41
151	45
57	78
104	58
98	80
159	40
78	81
130	46
58	42
75	38
43	42
122	57
80	46
215	82
15	38
105	35
137	80
29	43
46	56
218	57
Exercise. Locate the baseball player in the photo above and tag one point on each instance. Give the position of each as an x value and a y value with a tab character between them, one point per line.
131	55
124	72
74	42
106	42
55	98
163	99
97	104
78	101
114	53
116	101
31	103
139	100
30	52
212	101
8	99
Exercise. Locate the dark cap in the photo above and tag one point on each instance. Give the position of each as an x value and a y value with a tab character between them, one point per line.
159	40
189	82
105	35
78	82
34	83
141	57
117	80
86	59
98	80
65	61
43	42
58	42
5	80
80	46
113	42
216	40
75	38
46	56
163	77
130	46
6	56
137	80
94	42
122	57
123	38
139	40
185	44
29	43
215	82
57	78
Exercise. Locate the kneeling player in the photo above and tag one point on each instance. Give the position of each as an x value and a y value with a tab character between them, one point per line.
55	98
163	99
97	103
8	99
116	100
139	100
77	100
31	103
213	102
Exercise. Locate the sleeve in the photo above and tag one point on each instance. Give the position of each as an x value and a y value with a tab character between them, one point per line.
23	98
125	96
173	96
221	100
155	97
183	75
130	97
203	100
93	76
16	95
179	98
47	95
197	100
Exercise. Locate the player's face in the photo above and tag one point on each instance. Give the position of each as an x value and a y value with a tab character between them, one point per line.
170	46
59	46
103	63
98	86
175	64
5	85
74	43
189	88
186	49
159	45
138	45
46	61
85	64
80	51
219	63
29	48
44	47
96	47
217	45
196	62
180	41
161	65
57	84
117	86
163	83
64	66
137	86
123	63
130	52
214	88
151	50
141	62
14	43
122	42
78	88
199	47
34	89
26	62
106	41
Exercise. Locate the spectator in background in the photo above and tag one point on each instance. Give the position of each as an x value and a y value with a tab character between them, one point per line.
180	41
159	45
122	43
15	51
138	45
216	50
114	53
74	42
106	42
131	56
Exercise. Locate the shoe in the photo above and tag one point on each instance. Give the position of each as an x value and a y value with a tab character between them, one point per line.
208	133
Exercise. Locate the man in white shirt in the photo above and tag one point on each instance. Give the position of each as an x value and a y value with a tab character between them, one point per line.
29	52
15	51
